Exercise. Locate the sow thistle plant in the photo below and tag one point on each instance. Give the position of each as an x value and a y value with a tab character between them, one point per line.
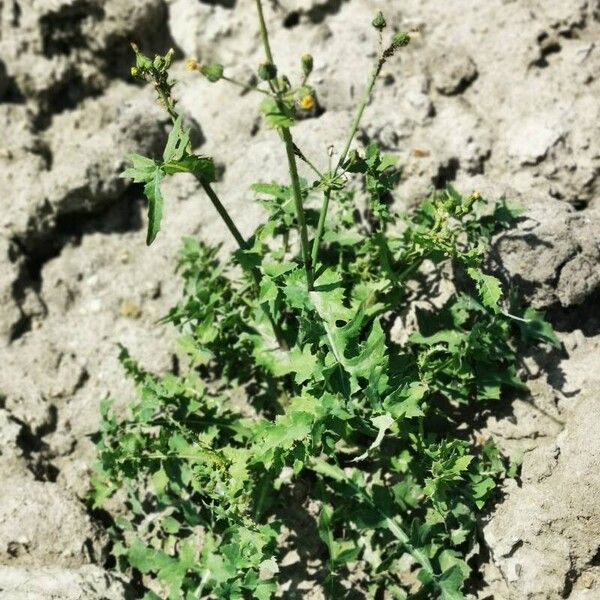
369	432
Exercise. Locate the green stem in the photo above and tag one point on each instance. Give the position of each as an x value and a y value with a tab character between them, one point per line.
320	227
264	34
391	522
360	111
289	147
352	134
246	87
235	232
167	100
303	158
223	213
243	246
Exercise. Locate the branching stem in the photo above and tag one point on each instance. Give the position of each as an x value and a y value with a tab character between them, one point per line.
360	111
235	232
351	135
246	87
320	226
289	147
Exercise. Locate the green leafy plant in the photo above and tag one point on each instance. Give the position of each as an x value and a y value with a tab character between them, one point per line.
300	395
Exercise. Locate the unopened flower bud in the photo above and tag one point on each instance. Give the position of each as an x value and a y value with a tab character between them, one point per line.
169	58
379	22
134	72
400	39
212	72
158	63
285	83
142	62
267	71
307	64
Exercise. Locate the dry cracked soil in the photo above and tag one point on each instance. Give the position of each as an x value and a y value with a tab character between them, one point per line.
501	96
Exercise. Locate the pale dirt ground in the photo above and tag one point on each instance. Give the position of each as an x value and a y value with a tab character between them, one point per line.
501	96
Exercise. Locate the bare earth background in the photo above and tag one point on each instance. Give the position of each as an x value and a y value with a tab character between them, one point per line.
501	96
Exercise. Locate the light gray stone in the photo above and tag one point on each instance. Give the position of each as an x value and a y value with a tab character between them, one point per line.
54	583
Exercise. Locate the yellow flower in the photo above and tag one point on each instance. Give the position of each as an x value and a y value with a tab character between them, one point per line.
134	72
192	64
307	102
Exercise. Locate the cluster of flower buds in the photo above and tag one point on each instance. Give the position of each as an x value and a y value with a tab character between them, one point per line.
157	71
399	40
148	68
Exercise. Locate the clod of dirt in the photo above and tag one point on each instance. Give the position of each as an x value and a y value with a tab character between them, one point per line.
531	139
3	80
453	71
11	274
58	53
553	255
548	529
42	525
9	436
89	147
53	583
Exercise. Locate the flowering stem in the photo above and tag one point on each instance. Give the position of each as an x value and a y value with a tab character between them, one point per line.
244	86
320	226
235	232
289	146
243	246
291	156
264	33
351	135
360	111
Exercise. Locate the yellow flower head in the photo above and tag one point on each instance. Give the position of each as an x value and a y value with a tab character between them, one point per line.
134	72
307	102
192	64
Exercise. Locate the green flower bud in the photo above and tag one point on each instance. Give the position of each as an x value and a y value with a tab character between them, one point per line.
267	71
379	22
400	39
212	72
307	64
158	63
169	58
285	83
142	62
